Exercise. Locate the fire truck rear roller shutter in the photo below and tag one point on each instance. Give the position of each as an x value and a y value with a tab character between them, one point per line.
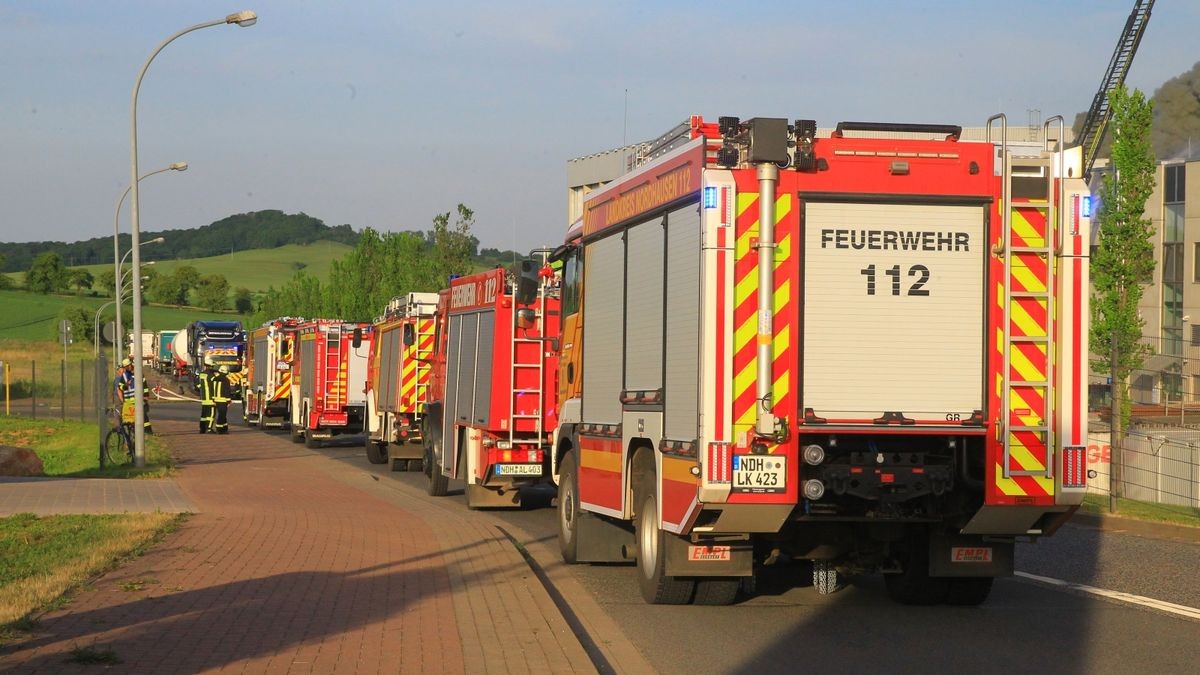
308	367
450	400
644	306
603	315
260	362
468	329
481	409
683	324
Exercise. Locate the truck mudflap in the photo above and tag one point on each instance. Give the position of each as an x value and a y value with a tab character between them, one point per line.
969	556
708	557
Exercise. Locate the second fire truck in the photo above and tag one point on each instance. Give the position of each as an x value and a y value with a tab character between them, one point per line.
867	350
491	411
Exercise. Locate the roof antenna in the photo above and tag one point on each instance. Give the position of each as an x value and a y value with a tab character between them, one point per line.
625	122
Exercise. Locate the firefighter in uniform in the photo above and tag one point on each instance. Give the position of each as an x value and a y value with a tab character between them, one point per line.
206	399
123	391
222	391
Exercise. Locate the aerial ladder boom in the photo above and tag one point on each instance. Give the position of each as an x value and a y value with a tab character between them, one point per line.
1096	123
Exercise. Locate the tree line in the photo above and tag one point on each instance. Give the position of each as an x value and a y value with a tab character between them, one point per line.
381	266
257	229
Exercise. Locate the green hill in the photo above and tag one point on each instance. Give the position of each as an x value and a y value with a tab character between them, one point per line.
243	231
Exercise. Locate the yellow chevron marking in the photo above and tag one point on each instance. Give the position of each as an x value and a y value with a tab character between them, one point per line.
783	251
779	388
1025	230
744	379
1024	367
745	288
744	200
1027	278
1034	418
1028	325
781	296
781	341
1007	485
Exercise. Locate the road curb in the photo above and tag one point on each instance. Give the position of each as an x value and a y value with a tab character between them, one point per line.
1141	528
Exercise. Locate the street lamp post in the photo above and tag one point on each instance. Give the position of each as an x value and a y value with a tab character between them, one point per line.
244	19
119	280
177	166
96	321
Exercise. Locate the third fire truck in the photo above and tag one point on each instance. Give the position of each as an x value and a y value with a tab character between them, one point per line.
398	381
867	350
491	410
267	397
329	377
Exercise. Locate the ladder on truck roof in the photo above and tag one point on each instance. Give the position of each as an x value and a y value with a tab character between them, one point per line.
335	388
1030	212
519	397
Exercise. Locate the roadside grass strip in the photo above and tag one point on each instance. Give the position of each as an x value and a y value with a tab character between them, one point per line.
71	448
47	557
1148	511
1184	611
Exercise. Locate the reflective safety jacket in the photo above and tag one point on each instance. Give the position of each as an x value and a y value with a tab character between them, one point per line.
222	391
206	388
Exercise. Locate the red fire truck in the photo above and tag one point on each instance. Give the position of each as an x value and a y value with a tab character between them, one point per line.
329	377
268	393
867	350
398	381
491	409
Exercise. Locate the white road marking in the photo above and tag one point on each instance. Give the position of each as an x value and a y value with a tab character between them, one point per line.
1160	605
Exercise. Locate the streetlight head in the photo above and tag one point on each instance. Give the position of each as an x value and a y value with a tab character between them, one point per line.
178	166
157	240
148	262
244	18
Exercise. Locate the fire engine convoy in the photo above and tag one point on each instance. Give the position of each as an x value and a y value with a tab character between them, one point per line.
269	348
398	381
867	351
491	411
329	374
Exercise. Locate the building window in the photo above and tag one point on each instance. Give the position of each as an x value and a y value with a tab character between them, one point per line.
1174	183
1173	262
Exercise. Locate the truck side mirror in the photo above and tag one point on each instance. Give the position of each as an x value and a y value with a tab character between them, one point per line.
409	337
356	341
527	283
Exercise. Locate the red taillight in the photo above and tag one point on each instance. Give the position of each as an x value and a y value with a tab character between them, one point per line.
719	463
1074	474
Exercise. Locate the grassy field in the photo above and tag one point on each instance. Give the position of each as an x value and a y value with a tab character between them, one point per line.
1129	508
44	558
34	317
255	269
70	448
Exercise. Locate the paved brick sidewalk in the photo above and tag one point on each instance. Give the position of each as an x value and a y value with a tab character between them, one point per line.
47	496
289	568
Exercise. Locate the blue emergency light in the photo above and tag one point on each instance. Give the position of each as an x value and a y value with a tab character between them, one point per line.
710	197
1086	206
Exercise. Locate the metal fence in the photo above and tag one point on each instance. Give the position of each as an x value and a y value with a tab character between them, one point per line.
54	388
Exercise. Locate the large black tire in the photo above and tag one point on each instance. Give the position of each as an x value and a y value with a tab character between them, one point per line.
568	508
414	465
657	588
719	591
400	465
438	484
376	452
914	586
969	592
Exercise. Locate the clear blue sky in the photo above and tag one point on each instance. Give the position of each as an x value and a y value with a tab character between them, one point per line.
383	113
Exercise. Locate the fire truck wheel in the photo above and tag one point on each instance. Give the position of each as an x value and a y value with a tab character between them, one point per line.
914	586
969	592
414	465
438	483
568	509
657	588
376	452
718	591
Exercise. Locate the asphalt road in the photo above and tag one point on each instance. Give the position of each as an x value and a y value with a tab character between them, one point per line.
788	627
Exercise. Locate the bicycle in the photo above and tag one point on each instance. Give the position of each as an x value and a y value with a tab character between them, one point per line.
118	443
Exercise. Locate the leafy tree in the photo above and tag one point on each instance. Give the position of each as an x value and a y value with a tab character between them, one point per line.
80	278
243	301
104	281
212	291
1177	116
167	289
47	274
1124	260
452	244
188	277
5	280
82	326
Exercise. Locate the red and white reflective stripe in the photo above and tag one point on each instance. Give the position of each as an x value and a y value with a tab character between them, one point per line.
1074	473
719	463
